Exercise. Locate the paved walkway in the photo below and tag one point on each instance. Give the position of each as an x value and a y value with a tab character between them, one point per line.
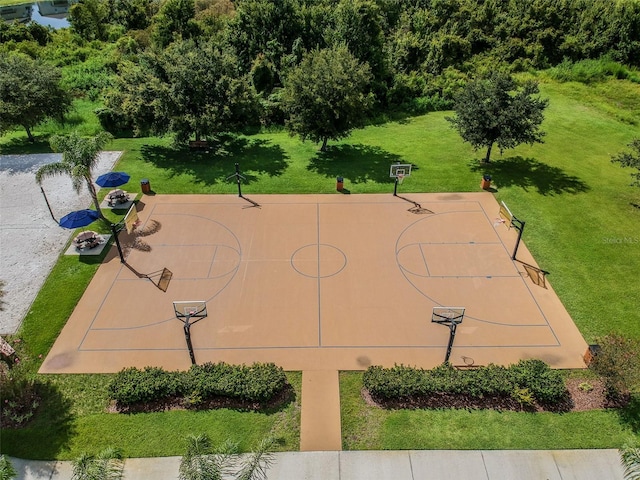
320	415
383	465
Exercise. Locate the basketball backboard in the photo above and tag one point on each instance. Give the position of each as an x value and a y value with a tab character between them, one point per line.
447	315
506	214
400	170
190	308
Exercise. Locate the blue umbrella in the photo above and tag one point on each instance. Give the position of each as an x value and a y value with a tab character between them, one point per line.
79	218
113	179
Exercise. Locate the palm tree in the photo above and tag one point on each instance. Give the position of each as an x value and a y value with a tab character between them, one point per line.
255	465
202	462
79	158
630	457
7	472
107	465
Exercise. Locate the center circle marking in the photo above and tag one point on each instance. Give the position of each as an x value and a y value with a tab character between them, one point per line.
318	260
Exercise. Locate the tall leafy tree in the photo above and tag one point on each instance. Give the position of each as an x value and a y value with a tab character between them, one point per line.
187	89
326	96
30	92
359	25
265	27
175	21
630	159
132	14
495	111
79	158
88	18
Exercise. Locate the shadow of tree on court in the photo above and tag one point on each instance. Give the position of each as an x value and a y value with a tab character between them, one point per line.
356	163
214	165
49	432
530	173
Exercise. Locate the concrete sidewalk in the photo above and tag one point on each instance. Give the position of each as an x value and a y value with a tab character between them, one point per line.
383	465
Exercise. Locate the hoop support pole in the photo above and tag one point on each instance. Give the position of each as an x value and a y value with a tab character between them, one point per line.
518	225
187	337
238	179
452	336
117	240
395	187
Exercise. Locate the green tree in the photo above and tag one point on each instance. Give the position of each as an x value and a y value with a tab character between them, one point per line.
630	159
88	18
186	89
359	25
79	158
325	97
30	92
132	14
202	461
175	21
107	465
494	110
265	28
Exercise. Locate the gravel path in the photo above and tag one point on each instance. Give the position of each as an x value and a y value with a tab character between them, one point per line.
30	240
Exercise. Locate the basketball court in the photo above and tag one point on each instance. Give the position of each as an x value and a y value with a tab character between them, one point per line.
317	282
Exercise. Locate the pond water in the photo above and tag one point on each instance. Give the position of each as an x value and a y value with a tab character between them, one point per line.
52	13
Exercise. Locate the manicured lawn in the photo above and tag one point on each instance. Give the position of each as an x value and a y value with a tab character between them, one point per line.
74	419
366	427
583	225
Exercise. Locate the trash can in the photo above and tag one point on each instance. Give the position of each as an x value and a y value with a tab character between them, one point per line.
339	184
486	182
146	187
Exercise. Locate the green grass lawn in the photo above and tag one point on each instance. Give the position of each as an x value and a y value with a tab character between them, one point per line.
583	225
367	427
74	419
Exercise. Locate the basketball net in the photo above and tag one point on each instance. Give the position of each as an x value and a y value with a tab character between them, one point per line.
400	178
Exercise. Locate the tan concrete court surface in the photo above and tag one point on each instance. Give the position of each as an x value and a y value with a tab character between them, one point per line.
317	282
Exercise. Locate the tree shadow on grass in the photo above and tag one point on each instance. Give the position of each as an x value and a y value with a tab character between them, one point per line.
22	146
630	414
357	163
214	165
530	173
50	431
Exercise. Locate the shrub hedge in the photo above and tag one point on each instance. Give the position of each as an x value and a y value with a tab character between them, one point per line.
401	382
256	383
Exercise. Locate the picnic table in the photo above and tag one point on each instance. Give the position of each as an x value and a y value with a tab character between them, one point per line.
87	239
116	197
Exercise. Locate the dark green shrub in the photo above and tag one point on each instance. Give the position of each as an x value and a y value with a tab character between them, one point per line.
618	361
112	121
19	398
131	385
546	385
528	378
256	383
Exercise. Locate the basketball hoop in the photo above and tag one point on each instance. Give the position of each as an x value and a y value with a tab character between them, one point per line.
400	178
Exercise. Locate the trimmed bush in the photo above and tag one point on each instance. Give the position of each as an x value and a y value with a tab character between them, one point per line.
546	385
618	361
131	385
256	383
532	376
